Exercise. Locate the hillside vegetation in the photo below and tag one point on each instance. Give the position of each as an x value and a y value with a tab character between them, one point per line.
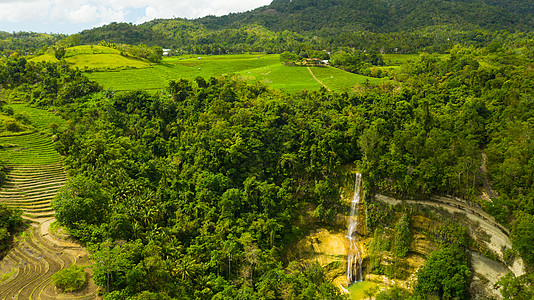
388	26
385	16
209	187
200	190
27	42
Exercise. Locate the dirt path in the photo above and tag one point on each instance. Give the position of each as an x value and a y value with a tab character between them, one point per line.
487	193
320	82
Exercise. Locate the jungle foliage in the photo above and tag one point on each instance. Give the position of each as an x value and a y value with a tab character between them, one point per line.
371	25
199	191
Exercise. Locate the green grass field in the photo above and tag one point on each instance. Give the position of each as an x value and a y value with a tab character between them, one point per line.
96	58
113	71
399	59
261	67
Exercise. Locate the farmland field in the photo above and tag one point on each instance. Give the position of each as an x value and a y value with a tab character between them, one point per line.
261	67
115	71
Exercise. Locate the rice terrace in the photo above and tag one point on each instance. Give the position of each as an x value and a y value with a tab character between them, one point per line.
116	72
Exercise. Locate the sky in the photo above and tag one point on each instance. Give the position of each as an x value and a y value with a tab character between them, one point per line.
72	16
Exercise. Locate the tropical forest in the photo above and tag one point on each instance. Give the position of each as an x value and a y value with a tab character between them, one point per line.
306	149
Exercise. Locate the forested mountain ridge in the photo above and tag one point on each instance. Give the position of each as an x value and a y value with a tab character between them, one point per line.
27	42
391	15
398	26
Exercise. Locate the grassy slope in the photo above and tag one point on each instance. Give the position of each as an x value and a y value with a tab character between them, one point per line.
40	118
117	72
398	59
265	68
95	58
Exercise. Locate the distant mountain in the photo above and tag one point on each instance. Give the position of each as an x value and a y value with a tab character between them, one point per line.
26	41
122	33
287	24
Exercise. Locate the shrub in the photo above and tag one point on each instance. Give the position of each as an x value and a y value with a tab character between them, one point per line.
394	293
445	274
8	110
13	126
521	236
70	279
403	237
23	117
10	221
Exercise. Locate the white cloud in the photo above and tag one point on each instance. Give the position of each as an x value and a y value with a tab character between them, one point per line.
196	8
98	12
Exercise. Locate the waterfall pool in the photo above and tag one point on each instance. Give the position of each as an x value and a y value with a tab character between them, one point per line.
358	289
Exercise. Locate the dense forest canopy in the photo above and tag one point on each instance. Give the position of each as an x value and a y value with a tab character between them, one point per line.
27	42
197	190
391	16
387	26
200	191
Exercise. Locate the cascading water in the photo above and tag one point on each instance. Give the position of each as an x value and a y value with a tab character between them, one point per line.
354	259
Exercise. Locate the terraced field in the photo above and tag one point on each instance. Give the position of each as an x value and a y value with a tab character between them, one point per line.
32	188
265	68
35	174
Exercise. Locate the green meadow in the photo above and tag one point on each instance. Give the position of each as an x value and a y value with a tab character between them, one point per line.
96	58
114	71
265	68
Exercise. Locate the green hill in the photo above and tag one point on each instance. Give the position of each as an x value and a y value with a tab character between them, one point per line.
95	58
407	26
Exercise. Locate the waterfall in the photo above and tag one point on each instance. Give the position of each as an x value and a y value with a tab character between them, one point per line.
354	258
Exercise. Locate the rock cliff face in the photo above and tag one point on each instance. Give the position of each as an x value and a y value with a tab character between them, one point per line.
330	247
491	239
